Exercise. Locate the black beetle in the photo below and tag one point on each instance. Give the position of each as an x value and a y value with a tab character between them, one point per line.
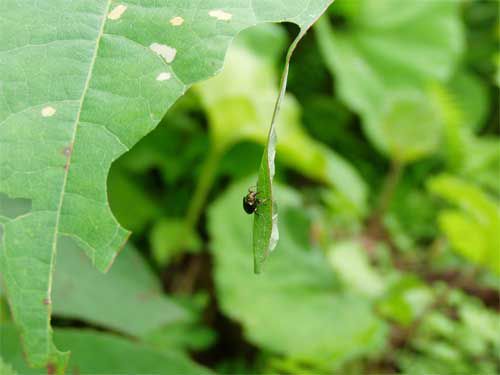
251	202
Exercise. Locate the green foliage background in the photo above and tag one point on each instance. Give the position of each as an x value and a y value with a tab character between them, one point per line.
388	185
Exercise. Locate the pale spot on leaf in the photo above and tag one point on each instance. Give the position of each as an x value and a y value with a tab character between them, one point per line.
67	151
177	21
220	15
117	12
164	76
168	53
48	111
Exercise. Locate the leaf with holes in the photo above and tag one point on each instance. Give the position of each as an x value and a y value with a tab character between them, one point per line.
81	82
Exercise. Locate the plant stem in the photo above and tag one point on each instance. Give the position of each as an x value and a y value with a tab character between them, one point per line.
375	226
205	182
390	184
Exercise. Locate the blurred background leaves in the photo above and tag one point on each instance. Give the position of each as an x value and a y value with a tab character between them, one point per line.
388	172
271	306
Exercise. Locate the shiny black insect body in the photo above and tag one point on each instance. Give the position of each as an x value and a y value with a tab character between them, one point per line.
251	202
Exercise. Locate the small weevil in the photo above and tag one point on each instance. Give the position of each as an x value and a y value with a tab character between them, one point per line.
251	202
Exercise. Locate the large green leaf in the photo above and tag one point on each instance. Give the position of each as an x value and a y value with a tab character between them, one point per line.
82	82
101	353
297	307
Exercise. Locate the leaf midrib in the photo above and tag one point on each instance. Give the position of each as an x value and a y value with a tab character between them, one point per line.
72	142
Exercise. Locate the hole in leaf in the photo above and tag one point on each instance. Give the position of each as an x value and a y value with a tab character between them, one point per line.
13	207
